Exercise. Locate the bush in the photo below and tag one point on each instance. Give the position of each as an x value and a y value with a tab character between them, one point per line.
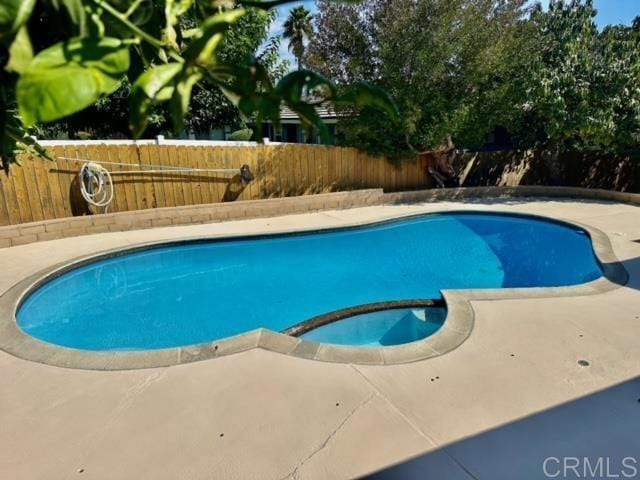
243	135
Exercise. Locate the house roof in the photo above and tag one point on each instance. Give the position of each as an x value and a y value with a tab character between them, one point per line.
325	110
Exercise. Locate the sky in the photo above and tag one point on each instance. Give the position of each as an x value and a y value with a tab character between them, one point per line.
609	12
614	12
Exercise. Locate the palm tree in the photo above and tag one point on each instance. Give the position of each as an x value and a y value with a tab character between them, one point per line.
296	29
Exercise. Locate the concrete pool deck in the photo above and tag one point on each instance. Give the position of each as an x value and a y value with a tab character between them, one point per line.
510	396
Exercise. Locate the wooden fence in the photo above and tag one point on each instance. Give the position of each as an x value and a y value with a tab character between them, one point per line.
44	190
601	170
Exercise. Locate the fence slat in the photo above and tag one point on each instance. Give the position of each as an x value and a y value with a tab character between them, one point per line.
4	212
187	178
177	179
139	181
162	157
192	159
22	194
61	205
44	188
201	161
149	179
11	199
253	160
128	181
32	189
216	187
148	156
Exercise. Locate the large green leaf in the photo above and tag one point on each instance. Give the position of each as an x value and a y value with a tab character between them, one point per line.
296	85
154	80
179	105
70	76
20	52
155	85
177	8
14	14
173	10
249	88
299	88
204	44
363	94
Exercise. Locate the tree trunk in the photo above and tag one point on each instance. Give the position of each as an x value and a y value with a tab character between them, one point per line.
551	158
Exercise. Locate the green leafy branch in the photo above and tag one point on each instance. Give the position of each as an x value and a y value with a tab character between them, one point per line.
147	43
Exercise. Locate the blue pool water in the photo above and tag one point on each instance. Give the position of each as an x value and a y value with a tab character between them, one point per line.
383	328
201	292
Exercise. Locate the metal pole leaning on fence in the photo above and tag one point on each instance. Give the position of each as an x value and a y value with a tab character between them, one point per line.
151	168
245	171
96	183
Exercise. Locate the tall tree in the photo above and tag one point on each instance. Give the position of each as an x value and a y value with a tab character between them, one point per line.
462	68
565	73
581	84
298	28
444	61
347	53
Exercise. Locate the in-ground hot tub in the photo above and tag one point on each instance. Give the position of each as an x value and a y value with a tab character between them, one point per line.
193	293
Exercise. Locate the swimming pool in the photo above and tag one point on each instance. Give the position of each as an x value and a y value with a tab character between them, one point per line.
199	292
381	328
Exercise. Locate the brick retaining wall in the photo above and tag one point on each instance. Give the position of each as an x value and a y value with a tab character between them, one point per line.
13	235
161	217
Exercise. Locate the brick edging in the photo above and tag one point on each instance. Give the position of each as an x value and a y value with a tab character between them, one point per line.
21	234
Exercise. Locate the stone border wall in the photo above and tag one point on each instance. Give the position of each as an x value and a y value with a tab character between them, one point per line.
14	235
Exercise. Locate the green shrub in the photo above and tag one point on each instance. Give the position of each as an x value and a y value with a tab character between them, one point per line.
243	135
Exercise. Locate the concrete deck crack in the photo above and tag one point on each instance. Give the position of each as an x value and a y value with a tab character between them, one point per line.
294	473
414	427
395	408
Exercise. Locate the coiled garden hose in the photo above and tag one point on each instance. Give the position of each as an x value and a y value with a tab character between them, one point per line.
96	185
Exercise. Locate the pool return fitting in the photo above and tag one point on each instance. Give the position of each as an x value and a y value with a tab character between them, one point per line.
96	182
